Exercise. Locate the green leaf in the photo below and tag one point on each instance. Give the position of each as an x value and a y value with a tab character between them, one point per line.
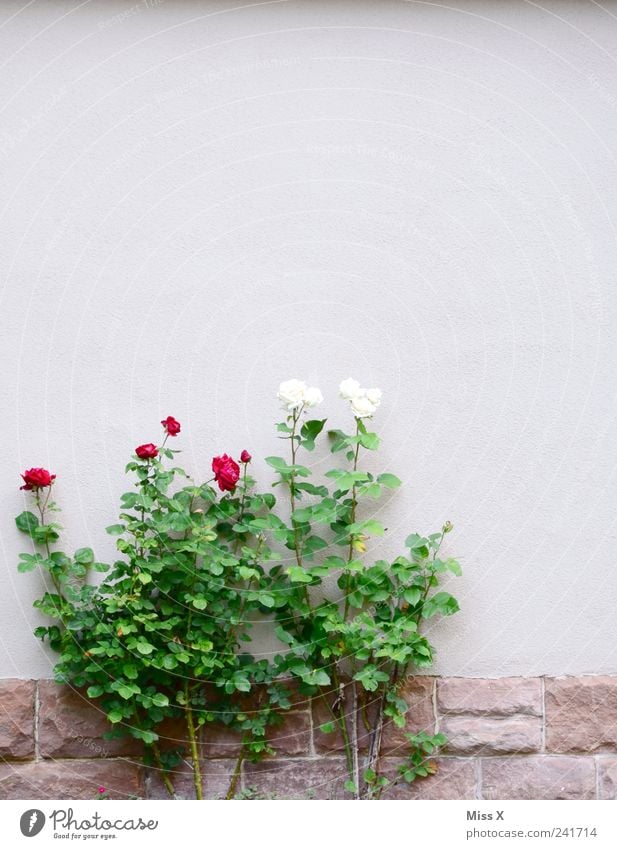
45	533
160	700
370	526
27	522
115	716
85	556
277	463
442	603
148	737
311	489
266	599
310	431
339	439
200	603
316	676
126	692
454	566
313	544
297	575
284	636
28	562
327	727
144	648
391	481
350	786
369	441
95	691
418	545
130	670
412	595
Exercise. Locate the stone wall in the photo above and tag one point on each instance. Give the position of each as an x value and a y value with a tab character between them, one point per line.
509	738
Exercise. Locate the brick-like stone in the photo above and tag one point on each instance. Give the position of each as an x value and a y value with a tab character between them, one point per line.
497	696
417	692
323	778
17	718
581	714
455	779
216	778
70	779
538	777
607	777
291	737
420	716
72	726
333	741
492	735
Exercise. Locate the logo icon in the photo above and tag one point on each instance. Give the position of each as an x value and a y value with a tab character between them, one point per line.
32	822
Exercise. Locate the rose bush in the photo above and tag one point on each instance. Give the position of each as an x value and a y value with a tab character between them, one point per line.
165	635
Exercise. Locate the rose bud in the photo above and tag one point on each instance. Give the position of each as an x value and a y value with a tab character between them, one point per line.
226	472
37	478
245	457
148	451
171	425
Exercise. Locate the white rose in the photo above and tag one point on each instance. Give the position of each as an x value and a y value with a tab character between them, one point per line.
313	396
291	394
349	389
374	396
362	407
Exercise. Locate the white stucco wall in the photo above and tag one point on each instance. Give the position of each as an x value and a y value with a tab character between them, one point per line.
201	199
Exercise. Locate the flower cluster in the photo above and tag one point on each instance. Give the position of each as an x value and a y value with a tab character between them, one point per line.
296	395
226	470
364	402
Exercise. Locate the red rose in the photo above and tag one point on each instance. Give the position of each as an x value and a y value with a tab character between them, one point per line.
147	451
171	425
245	457
226	472
37	478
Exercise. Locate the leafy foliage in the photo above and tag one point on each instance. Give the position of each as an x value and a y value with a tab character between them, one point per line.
166	632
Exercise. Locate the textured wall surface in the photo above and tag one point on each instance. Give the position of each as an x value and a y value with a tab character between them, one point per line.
201	199
508	738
